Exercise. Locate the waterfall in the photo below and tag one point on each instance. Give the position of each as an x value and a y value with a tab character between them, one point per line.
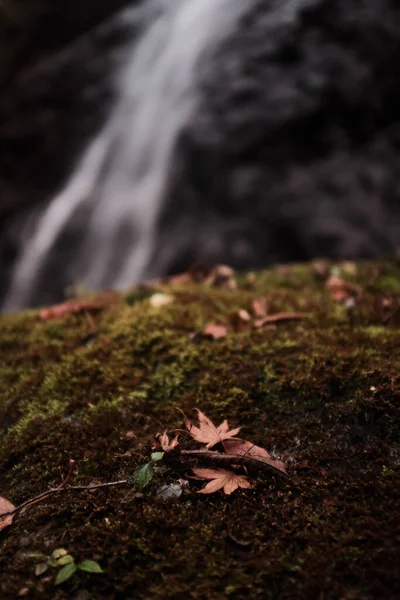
119	184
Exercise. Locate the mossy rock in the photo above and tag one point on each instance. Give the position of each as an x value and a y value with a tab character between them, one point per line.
322	394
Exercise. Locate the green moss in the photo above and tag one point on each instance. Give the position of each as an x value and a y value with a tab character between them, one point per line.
320	393
390	283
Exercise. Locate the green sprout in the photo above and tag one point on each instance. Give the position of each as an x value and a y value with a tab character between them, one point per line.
145	473
60	559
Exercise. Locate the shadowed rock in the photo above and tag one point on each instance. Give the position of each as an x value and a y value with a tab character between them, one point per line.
293	153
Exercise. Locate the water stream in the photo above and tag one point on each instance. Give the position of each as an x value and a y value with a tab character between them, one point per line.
118	186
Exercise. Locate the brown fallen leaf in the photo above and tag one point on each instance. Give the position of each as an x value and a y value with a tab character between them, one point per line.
5	507
349	267
222	276
241	448
207	433
386	307
244	448
240	320
197	273
216	332
180	279
71	306
166	444
279	318
239	542
221	479
259	307
341	290
284	271
320	269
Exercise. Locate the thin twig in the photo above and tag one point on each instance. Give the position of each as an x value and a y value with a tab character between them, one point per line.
279	318
58	490
66	481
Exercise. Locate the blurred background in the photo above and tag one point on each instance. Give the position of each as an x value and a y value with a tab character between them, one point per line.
138	138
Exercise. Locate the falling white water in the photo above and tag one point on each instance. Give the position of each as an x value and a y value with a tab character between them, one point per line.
123	174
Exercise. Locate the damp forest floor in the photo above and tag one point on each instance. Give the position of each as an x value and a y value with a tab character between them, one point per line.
321	394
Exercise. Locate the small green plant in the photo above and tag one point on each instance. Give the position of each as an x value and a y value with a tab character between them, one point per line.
60	559
145	473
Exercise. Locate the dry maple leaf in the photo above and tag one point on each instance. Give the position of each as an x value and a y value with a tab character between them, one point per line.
279	465
221	479
279	318
166	444
216	331
222	276
243	448
240	320
196	274
71	306
259	307
341	290
5	506
180	279
207	433
320	269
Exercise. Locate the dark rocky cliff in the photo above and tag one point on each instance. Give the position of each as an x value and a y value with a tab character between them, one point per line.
55	90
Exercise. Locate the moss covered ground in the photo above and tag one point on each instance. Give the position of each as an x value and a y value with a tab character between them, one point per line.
322	394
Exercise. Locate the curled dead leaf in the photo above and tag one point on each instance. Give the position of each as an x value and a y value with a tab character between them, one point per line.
279	465
244	448
216	332
259	307
180	279
386	307
279	318
166	444
197	273
238	541
320	269
5	507
71	306
229	481
240	320
222	276
341	290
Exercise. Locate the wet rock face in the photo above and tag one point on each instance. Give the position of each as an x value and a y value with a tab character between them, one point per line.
295	152
56	90
51	79
307	112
